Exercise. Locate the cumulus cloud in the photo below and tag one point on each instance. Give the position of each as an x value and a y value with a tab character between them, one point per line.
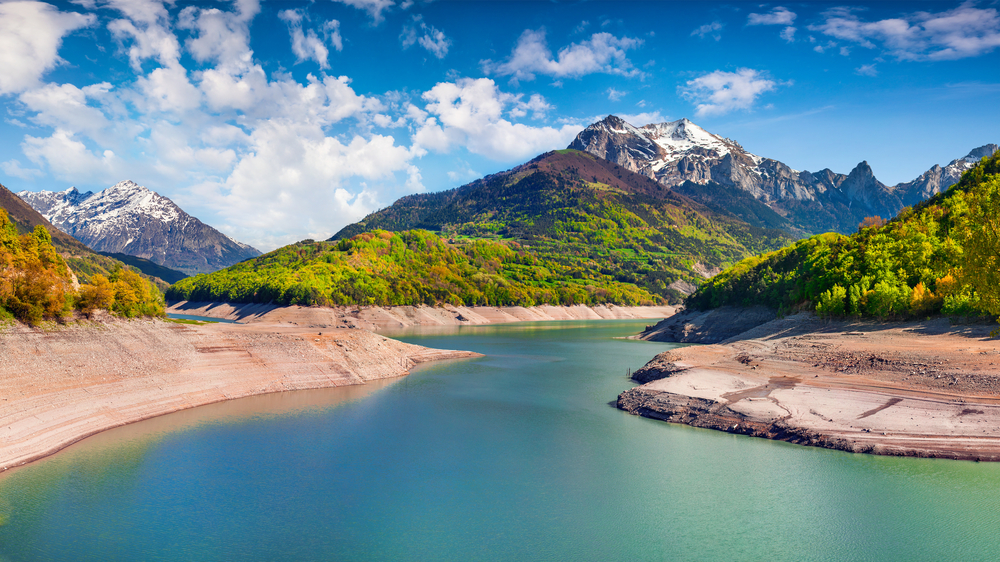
68	157
616	95
429	37
306	44
709	29
720	92
778	16
295	180
965	31
602	53
30	36
373	7
471	113
788	34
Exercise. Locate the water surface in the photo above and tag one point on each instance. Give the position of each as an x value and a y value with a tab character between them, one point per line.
514	456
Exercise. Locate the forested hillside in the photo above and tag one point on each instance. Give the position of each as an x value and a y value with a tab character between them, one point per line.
409	268
571	205
938	257
36	283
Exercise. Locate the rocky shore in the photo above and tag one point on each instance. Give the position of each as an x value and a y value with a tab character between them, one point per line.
61	384
924	389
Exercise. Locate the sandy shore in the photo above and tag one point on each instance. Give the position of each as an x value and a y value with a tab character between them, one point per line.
60	385
926	389
378	318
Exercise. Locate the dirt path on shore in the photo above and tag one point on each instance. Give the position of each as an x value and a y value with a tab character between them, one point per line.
378	318
925	389
62	384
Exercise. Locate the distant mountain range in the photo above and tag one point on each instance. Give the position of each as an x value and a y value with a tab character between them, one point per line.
680	153
130	219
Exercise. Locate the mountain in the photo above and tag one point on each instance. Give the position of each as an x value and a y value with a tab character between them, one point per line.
82	261
564	228
130	219
680	151
939	256
571	206
938	179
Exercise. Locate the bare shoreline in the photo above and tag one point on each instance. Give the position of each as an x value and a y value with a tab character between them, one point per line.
374	318
66	383
922	389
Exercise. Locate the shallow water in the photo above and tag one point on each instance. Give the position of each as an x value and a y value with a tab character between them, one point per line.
514	456
176	316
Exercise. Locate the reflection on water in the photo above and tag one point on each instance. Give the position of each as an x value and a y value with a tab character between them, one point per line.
512	456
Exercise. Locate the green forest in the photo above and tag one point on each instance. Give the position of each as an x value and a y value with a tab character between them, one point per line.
36	283
410	268
937	257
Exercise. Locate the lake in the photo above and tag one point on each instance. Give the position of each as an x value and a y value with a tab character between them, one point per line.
519	455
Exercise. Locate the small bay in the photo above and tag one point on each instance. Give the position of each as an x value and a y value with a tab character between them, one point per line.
519	455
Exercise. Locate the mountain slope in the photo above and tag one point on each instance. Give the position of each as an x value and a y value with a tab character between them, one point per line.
680	151
569	205
917	264
130	219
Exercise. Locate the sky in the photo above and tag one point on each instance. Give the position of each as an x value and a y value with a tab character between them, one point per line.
276	121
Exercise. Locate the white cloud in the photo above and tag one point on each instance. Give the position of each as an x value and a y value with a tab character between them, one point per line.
720	92
866	70
429	37
69	159
962	32
646	118
223	37
710	29
373	7
778	16
788	34
616	95
306	44
13	168
294	180
470	113
603	53
66	107
30	36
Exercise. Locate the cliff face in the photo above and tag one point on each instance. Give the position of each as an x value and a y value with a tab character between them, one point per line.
130	219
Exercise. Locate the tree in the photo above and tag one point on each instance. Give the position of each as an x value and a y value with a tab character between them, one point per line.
982	244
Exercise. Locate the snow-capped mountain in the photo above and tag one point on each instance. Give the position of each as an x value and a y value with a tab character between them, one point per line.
129	219
680	151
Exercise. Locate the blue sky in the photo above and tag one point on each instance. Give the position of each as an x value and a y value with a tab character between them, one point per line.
278	121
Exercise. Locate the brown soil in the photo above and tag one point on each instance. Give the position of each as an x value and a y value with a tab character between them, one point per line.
921	389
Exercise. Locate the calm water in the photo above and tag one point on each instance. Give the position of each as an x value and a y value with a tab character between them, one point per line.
515	456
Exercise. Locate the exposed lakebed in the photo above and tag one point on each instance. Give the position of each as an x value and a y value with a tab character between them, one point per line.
516	455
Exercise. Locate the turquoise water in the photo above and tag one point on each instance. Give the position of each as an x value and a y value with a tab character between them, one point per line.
514	456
